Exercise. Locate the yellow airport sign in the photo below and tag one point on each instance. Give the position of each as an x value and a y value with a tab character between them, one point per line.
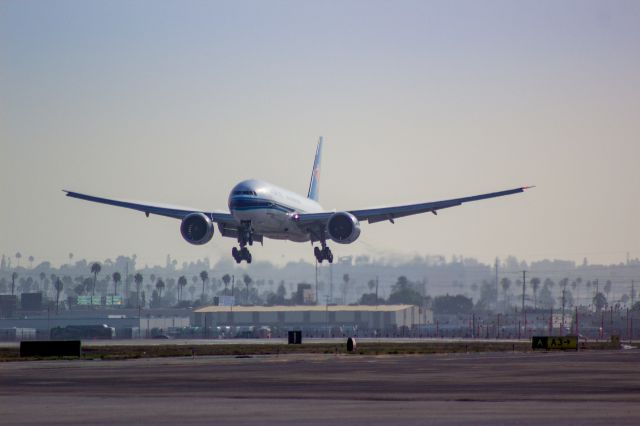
554	342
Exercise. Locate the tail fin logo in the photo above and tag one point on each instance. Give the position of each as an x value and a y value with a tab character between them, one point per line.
315	173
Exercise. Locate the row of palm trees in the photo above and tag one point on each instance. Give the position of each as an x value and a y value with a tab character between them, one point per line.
31	259
18	256
58	285
160	284
564	284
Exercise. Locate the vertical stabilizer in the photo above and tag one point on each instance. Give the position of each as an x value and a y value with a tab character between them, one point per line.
315	173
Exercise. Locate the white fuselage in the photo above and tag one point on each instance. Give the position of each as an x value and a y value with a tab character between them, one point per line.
270	209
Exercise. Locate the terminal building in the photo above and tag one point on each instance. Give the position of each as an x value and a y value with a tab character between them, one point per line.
315	320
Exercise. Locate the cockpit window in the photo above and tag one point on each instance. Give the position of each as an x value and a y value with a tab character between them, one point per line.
244	193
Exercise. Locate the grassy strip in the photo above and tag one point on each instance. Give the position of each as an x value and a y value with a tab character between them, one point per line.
241	349
315	348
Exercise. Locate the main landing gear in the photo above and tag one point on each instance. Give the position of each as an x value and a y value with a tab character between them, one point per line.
244	237
241	254
323	253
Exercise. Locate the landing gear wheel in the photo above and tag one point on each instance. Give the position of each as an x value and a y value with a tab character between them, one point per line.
245	255
323	254
236	255
326	253
241	254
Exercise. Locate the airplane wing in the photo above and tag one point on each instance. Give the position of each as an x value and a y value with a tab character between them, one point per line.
158	209
317	220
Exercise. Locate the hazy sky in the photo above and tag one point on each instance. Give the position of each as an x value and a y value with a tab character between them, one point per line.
177	101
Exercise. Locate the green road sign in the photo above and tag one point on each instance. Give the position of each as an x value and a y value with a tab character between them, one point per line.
554	342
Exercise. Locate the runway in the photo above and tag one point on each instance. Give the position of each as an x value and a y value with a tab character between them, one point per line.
589	387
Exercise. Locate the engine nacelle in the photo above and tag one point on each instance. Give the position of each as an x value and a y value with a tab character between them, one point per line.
197	228
343	228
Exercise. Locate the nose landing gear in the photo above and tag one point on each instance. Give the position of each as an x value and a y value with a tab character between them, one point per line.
245	236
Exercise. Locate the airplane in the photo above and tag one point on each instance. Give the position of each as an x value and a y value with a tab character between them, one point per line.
259	210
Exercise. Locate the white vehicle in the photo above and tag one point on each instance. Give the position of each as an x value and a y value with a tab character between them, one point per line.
259	210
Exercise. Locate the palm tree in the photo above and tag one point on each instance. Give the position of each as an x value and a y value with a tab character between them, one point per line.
95	269
89	285
70	257
138	278
42	276
474	288
535	284
18	257
588	285
247	280
204	276
58	286
346	279
182	283
116	280
31	259
14	275
505	283
192	290
226	279
160	287
599	301
607	288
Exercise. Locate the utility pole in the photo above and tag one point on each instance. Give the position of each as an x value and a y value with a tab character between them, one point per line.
317	282
326	315
233	283
563	302
126	282
376	290
473	326
497	290
524	283
331	282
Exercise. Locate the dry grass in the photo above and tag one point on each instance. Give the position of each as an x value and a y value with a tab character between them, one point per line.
244	349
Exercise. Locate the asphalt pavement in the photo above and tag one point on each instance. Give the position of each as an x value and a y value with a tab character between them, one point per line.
587	387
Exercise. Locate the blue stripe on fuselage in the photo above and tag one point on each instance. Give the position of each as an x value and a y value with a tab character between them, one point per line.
252	203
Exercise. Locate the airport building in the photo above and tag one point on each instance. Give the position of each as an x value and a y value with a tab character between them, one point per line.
384	319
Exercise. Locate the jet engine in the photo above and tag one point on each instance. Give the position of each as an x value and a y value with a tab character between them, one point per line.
196	228
343	228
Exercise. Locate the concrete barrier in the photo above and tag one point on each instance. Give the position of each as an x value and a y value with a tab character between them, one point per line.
295	337
351	344
53	348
